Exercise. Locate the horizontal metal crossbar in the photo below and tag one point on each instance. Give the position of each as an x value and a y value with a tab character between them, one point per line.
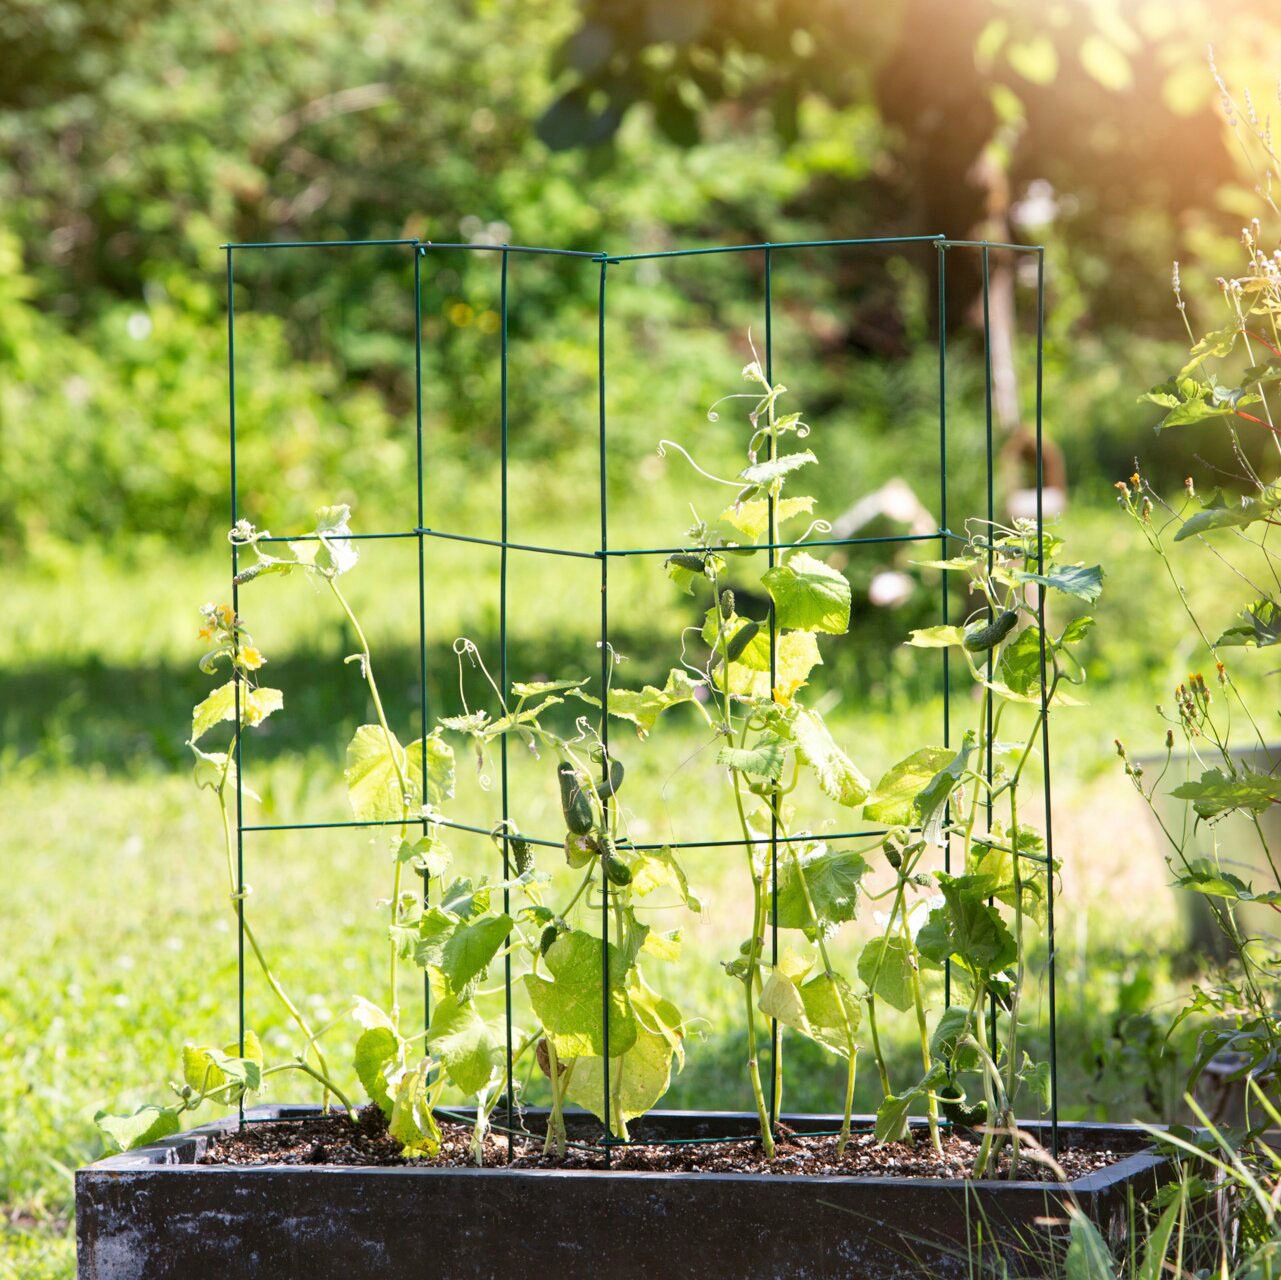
615	259
618	552
649	846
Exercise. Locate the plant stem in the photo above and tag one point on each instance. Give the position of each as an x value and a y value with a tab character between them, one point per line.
555	1136
324	1079
830	973
394	751
616	1073
918	1001
758	905
881	1068
272	981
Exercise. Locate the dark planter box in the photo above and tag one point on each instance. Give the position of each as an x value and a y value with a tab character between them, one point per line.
155	1214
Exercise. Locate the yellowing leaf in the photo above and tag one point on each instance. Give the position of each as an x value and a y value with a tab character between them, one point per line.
838	777
658	868
467	1044
570	1007
893	802
258	704
809	595
644	707
642	1073
751	519
663	946
936	637
798	655
255	706
824	1009
384	779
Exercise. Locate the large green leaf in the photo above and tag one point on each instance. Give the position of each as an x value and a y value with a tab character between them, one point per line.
953	1039
1216	793
965	929
435	928
644	707
1224	515
569	1008
642	1074
886	965
837	775
763	759
378	779
893	799
467	1044
1260	626
1020	662
761	475
931	803
376	1048
147	1125
752	518
824	1009
833	1013
377	764
832	877
470	948
1085	582
809	595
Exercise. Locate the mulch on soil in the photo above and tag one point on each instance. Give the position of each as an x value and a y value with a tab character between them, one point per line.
334	1140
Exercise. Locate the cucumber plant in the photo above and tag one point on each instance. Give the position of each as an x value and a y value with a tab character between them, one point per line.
746	678
979	923
754	671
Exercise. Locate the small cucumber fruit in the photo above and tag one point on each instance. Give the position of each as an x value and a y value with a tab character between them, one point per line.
988	637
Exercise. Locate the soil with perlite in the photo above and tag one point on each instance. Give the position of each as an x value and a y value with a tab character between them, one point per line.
335	1140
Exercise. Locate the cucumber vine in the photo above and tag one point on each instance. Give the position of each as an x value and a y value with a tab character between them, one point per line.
746	679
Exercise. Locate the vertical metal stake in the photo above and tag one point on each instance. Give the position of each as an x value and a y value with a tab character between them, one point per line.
988	763
419	253
606	667
1045	711
236	679
504	685
774	1033
943	555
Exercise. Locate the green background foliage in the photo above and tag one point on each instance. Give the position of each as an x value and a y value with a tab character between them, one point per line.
136	138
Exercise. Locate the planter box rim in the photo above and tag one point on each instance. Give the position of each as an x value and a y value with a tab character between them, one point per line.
177	1154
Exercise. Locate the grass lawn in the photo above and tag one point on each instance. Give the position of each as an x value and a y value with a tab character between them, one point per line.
119	943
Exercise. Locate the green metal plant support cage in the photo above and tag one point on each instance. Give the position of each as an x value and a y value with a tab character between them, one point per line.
605	554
